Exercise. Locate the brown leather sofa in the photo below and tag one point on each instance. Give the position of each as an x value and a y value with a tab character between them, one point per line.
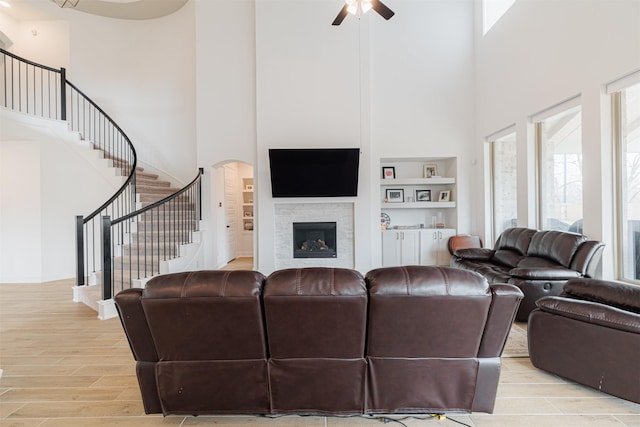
590	334
538	262
318	341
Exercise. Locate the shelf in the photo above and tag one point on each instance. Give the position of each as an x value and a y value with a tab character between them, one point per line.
416	181
247	204
418	205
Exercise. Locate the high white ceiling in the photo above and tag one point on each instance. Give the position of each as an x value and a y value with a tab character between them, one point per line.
120	9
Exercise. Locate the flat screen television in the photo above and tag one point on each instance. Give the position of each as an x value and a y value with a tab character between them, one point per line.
314	172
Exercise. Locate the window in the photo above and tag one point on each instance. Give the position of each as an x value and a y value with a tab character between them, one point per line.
504	189
559	140
626	109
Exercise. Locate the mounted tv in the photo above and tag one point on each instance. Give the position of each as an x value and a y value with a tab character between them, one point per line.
314	172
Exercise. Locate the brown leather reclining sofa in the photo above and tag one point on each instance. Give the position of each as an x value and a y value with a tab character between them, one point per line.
590	334
537	262
318	341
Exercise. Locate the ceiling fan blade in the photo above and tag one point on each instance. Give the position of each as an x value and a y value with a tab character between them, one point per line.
341	15
382	9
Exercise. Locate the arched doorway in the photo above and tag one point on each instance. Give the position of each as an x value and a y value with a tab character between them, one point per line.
233	204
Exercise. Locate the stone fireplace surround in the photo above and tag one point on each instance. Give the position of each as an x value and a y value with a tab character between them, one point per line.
287	213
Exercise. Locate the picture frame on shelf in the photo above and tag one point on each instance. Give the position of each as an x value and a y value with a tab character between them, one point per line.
445	196
388	172
429	170
423	195
394	195
248	187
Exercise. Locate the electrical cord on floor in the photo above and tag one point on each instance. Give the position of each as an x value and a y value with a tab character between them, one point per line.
439	417
382	418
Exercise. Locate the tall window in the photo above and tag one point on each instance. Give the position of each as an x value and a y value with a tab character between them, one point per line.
627	114
560	171
504	189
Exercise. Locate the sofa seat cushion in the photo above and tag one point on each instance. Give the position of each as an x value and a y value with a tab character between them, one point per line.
620	295
544	273
507	257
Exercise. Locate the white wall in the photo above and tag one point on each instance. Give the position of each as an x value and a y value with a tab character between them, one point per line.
539	54
142	74
43	186
277	74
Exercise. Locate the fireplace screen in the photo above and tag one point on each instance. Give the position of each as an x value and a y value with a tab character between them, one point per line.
314	240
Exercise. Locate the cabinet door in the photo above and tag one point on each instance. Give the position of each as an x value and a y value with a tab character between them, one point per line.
410	247
390	248
429	247
443	255
400	248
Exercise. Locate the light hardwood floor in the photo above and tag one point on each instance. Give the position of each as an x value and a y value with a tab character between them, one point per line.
62	367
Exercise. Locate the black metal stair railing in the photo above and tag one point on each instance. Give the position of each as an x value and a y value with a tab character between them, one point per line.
43	91
134	246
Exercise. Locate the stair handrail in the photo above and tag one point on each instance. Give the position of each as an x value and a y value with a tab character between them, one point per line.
44	91
48	92
94	124
121	232
84	116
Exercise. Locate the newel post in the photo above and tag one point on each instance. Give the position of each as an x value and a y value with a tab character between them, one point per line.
63	94
80	251
106	258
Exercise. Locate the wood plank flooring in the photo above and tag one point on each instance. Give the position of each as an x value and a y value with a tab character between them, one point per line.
62	367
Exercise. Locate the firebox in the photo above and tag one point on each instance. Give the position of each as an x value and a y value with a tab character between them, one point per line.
314	240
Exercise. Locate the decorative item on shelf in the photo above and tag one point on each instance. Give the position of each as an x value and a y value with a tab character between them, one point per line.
438	221
248	214
248	225
248	187
395	195
429	170
388	172
385	221
423	195
445	195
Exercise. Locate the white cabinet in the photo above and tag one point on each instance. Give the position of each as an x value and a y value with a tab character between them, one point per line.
433	246
416	247
400	247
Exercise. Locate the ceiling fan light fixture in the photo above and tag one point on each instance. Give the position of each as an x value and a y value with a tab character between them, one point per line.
355	6
352	6
365	5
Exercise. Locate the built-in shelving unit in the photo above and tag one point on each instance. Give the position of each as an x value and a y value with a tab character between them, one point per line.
418	209
247	204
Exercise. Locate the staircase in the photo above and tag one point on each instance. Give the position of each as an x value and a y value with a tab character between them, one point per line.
149	244
146	227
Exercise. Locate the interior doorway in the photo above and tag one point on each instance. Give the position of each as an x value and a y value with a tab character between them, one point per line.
234	197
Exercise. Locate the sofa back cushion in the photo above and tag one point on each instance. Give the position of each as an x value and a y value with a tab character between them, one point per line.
558	246
616	294
316	313
425	311
206	315
512	246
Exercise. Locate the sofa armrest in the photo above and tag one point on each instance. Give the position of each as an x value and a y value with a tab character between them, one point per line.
591	312
504	305
475	254
617	294
134	322
544	273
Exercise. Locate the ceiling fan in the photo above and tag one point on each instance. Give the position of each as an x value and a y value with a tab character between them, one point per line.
360	7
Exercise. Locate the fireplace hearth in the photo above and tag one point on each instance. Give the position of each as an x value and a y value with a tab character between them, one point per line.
314	240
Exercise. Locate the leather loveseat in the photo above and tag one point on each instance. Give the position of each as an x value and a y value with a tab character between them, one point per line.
590	334
318	341
538	262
